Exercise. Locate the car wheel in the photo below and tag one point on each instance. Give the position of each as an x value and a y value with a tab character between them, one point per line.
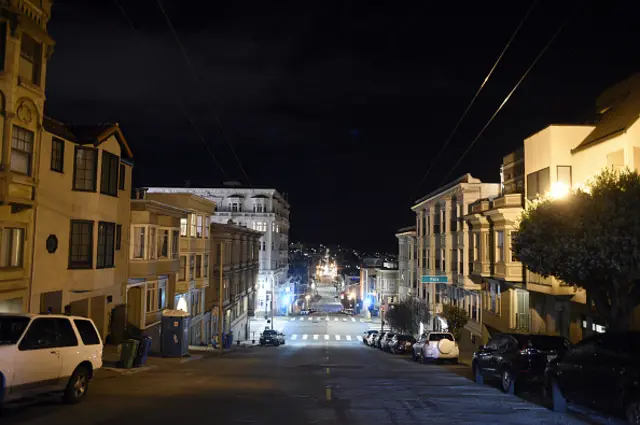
78	385
277	343
507	382
633	412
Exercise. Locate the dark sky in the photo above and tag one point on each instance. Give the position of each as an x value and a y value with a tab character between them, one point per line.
341	105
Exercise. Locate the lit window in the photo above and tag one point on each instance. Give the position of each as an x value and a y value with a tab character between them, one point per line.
199	226
192	218
11	250
138	242
183	227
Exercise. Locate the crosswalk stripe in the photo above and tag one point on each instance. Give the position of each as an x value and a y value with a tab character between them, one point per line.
294	336
348	337
326	336
335	319
293	318
344	320
315	336
337	337
359	338
304	336
328	318
353	320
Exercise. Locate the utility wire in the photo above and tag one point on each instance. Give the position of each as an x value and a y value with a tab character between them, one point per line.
506	99
180	106
195	74
473	100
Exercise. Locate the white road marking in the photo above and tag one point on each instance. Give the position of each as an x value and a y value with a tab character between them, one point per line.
348	337
304	336
293	318
294	336
316	337
344	320
326	337
353	320
335	319
337	337
360	320
328	318
359	338
309	318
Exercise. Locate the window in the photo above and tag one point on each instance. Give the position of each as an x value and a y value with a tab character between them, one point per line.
564	174
461	261
87	332
183	227
500	245
30	60
273	226
486	248
443	222
11	251
152	297
198	266
199	226
258	207
118	237
21	150
615	160
513	256
235	206
106	244
476	246
175	239
57	155
123	177
85	166
206	227
109	174
206	265
538	183
192	266
183	268
153	243
260	226
264	246
139	237
81	245
162	295
163	243
192	219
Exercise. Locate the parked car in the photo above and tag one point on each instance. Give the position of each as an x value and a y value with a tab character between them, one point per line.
517	358
379	338
602	371
367	334
401	344
371	340
436	346
385	340
47	353
271	337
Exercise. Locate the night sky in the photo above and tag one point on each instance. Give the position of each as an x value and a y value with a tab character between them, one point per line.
341	105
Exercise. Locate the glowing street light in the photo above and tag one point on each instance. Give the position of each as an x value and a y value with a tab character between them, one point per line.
559	190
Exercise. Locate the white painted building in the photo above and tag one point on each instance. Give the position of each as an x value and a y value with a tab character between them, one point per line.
265	210
407	283
445	248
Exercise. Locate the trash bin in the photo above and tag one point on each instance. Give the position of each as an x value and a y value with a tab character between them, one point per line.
229	340
142	354
128	353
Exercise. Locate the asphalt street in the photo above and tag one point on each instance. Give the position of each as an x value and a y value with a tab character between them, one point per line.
307	381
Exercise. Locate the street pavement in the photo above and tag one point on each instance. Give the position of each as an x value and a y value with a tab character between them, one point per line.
307	381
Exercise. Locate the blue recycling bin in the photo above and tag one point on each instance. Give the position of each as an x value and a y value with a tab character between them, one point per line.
175	333
143	351
229	340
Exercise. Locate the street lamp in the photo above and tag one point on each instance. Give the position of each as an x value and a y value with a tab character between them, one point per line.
559	190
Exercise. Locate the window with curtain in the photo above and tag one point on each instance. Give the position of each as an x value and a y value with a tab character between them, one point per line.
139	235
183	227
21	150
199	230
163	243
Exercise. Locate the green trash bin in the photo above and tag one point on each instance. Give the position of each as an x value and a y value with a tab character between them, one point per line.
128	353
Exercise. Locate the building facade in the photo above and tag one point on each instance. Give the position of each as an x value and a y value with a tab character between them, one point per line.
445	250
82	221
24	52
493	222
236	260
195	260
264	210
154	265
407	282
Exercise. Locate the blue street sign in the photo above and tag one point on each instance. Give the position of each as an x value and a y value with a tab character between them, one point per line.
434	279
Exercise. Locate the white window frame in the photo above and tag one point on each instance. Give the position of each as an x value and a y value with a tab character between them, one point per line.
151	297
136	247
500	246
15	258
184	225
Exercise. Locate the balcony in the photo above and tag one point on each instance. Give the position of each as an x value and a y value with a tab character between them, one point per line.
510	200
510	272
522	322
182	287
16	190
479	207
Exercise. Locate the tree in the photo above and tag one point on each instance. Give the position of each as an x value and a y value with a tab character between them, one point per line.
589	239
456	318
407	316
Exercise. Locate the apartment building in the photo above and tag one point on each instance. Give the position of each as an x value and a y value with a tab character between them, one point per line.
82	221
195	259
154	264
493	222
445	254
407	282
24	52
264	210
236	254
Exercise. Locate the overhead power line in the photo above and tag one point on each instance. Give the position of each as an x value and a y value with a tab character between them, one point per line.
179	105
473	100
506	99
209	104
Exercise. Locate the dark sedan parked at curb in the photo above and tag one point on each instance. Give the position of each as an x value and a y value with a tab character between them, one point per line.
271	337
401	344
516	358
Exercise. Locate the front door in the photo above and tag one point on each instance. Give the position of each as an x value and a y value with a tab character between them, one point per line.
38	360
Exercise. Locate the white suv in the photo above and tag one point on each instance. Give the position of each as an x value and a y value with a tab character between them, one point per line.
436	346
47	353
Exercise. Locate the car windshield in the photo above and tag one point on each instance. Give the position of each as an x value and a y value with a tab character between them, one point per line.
438	337
11	329
543	342
270	333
